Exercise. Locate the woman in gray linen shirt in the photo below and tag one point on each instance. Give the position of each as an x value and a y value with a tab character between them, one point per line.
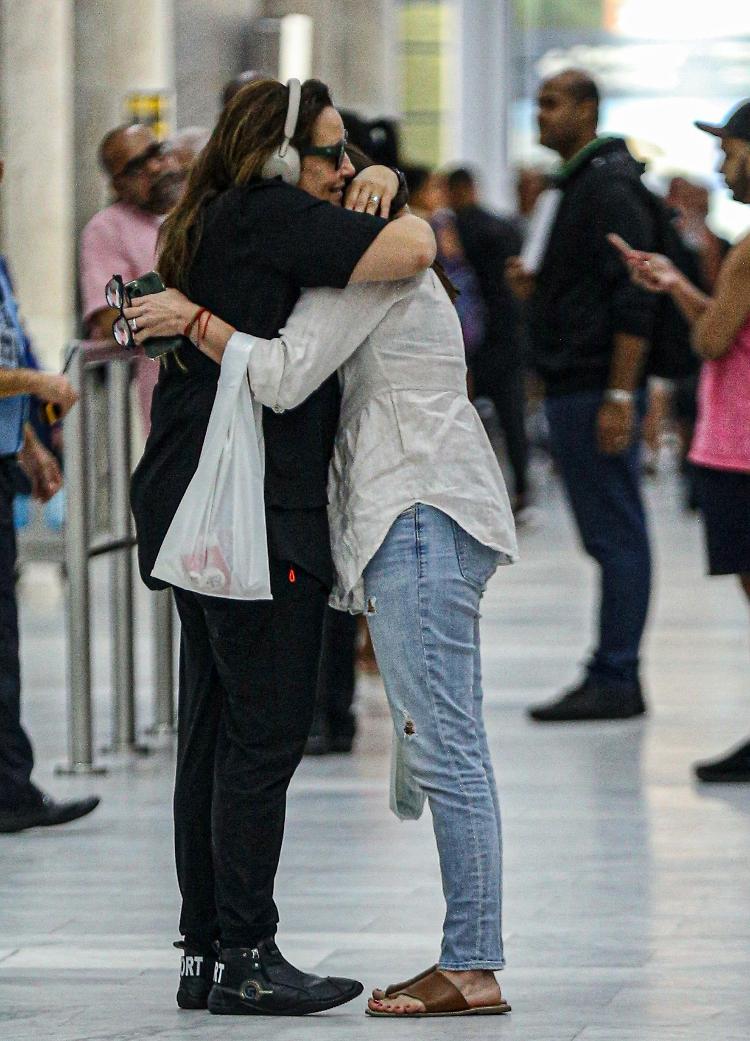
420	519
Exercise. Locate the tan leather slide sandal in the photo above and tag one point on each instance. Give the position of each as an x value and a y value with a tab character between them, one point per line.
440	998
397	988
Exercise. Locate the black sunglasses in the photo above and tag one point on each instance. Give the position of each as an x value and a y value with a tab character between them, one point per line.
117	297
336	152
137	164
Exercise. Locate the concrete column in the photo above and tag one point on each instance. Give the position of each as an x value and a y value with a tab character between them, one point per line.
120	48
369	58
484	76
36	98
354	50
210	45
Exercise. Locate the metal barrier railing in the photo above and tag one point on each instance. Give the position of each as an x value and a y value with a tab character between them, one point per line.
83	542
36	541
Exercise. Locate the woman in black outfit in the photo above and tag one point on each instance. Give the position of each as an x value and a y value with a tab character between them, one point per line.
242	246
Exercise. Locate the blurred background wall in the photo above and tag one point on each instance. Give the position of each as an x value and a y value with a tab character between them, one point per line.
37	126
459	75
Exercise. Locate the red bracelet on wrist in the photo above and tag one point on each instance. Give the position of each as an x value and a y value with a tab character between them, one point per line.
189	327
205	319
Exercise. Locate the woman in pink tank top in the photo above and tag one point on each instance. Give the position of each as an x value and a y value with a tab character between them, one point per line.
722	433
721	445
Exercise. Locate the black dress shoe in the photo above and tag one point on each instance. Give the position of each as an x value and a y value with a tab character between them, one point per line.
342	743
260	981
45	812
323	742
197	967
318	743
591	701
733	768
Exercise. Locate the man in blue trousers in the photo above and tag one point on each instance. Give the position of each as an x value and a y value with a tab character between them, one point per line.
590	328
22	804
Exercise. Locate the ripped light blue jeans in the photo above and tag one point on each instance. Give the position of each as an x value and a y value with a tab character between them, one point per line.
426	581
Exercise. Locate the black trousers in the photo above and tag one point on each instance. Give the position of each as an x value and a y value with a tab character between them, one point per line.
16	756
507	391
336	676
248	673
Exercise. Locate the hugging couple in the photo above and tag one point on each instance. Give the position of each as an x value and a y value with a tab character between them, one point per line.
381	492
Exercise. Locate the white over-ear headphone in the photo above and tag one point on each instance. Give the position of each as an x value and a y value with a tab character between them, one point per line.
284	162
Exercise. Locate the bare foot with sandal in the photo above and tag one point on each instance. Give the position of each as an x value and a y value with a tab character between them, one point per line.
441	992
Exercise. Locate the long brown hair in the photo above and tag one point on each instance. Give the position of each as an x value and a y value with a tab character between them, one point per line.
250	127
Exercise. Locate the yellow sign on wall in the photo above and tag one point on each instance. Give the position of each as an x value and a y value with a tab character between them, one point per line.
152	108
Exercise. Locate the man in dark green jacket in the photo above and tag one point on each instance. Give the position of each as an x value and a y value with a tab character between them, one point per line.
590	328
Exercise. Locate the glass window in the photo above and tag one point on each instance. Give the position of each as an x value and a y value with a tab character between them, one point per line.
429	57
660	64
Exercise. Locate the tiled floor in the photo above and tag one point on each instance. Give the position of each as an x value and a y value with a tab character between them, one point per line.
627	889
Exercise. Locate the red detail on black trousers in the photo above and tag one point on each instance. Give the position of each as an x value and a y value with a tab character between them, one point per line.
292	575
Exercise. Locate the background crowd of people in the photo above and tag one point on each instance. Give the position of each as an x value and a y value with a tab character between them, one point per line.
607	386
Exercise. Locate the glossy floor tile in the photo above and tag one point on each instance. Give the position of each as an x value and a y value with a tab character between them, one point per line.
627	886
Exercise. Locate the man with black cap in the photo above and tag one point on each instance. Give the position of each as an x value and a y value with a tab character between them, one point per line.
735	139
720	450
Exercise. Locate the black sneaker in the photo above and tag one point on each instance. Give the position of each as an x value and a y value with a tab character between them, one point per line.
196	975
733	768
45	813
591	701
260	981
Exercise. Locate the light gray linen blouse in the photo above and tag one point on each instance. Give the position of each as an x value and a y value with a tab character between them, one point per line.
407	431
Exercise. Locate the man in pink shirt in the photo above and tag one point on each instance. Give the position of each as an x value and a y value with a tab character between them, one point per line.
121	239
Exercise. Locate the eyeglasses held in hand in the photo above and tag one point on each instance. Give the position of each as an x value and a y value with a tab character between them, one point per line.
336	152
118	298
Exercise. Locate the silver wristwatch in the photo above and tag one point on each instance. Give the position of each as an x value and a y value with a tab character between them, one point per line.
619	397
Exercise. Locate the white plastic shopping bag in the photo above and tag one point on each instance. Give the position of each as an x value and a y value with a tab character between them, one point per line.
538	234
216	543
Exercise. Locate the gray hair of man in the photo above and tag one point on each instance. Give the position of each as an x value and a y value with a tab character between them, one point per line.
189	142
